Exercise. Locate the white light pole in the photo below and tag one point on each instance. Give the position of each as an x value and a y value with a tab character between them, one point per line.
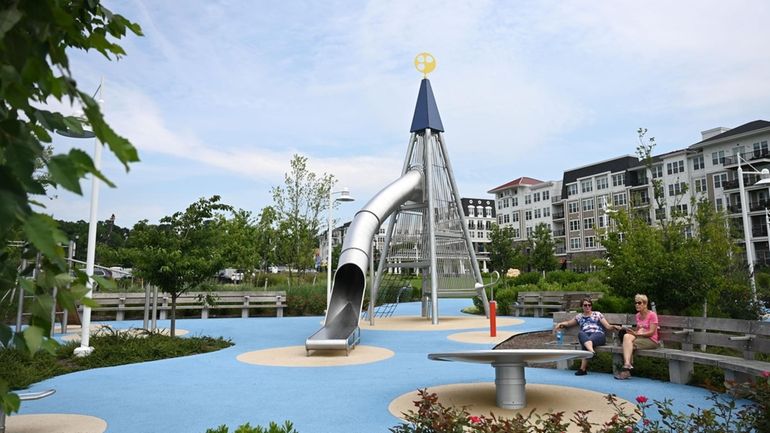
764	180
85	349
344	197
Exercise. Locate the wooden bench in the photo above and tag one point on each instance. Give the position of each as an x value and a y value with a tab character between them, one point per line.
684	340
548	302
121	303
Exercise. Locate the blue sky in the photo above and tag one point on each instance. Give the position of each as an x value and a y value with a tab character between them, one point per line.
218	95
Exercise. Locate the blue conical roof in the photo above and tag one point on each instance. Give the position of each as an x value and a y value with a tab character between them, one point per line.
426	111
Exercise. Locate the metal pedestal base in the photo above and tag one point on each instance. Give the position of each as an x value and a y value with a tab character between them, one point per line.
510	384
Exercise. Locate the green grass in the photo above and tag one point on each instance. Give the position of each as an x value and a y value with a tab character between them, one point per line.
110	349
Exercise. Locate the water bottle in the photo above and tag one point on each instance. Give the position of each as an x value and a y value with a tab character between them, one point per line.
559	336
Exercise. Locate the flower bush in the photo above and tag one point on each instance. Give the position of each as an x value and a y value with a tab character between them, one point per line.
725	414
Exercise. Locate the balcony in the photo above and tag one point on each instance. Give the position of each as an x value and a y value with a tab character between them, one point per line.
730	184
760	154
759	231
640	201
556	199
559	233
558	215
759	205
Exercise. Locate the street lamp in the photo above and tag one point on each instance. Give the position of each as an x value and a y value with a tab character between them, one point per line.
344	197
85	349
764	180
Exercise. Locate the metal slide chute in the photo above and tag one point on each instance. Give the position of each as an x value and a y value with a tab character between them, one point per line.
340	329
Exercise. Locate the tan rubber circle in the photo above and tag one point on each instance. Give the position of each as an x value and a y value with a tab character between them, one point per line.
296	356
55	422
479	398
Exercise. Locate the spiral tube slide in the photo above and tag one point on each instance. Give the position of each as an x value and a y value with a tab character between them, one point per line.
340	330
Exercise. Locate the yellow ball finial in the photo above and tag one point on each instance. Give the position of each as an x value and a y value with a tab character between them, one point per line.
425	63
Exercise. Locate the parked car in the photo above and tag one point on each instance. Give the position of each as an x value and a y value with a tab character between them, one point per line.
230	275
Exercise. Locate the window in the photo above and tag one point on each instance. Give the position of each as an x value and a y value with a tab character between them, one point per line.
590	242
700	185
679	210
571	189
586	185
574	243
675	167
619	199
515	201
720	205
588	204
536	196
660	213
760	149
488	212
480	235
720	179
472	225
546	211
657	172
527	199
471	211
602	221
546	195
537	213
499	220
697	163
515	217
602	183
516	233
506	219
529	232
618	179
528	215
499	205
488	225
676	189
572	207
718	157
574	225
588	223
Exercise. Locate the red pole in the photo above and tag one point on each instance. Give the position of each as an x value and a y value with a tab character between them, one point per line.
492	319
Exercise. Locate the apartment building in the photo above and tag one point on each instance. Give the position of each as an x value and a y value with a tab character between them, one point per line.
525	202
580	202
480	214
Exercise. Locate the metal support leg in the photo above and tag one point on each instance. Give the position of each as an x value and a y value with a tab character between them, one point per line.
510	384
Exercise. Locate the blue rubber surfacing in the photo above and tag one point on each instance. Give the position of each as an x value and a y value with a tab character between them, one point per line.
194	393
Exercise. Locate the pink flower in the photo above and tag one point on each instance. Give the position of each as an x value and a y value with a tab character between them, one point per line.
629	430
766	374
474	419
641	399
646	421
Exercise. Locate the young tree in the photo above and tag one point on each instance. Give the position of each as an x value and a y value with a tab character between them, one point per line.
541	249
502	253
240	242
267	237
298	205
34	69
182	251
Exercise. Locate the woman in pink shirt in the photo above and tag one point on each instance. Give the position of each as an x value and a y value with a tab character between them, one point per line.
645	336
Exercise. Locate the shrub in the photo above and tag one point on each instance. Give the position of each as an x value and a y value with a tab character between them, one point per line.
525	278
613	304
725	415
565	277
306	300
287	427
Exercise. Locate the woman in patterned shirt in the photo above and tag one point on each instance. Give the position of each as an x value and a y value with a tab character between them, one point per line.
592	326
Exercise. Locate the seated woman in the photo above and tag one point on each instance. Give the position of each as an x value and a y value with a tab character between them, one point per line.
592	326
645	336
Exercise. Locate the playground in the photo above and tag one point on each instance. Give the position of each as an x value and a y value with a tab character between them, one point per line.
351	374
330	394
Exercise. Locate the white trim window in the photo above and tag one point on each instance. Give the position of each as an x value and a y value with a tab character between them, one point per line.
572	189
602	183
573	207
586	185
588	204
619	179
